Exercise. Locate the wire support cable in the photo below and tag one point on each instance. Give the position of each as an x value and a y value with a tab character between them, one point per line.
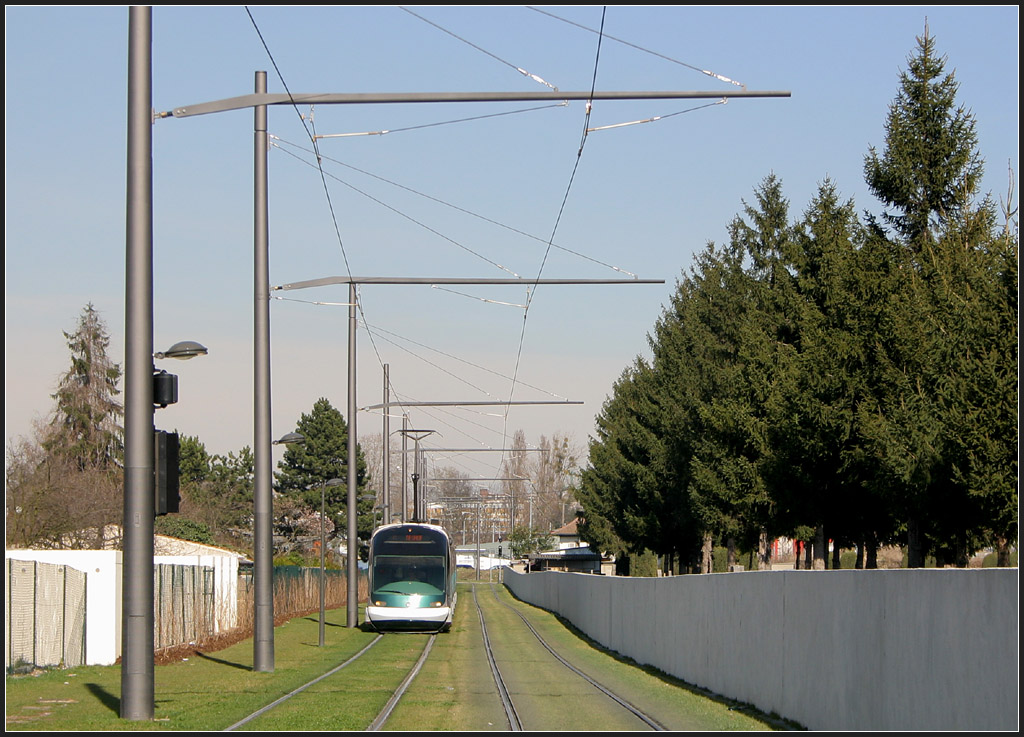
715	75
464	211
312	138
479	299
441	123
411	219
657	118
482	50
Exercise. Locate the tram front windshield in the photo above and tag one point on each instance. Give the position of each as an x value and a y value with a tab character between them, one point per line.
399	574
408	560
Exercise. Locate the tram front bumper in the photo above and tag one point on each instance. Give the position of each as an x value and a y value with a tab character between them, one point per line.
408	618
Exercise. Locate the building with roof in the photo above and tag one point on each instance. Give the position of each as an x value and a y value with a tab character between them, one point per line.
571	560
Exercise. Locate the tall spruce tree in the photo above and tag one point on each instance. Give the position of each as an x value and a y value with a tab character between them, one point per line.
946	363
85	426
699	357
768	332
930	169
307	466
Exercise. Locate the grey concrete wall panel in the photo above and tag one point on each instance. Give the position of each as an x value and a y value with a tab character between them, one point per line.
927	649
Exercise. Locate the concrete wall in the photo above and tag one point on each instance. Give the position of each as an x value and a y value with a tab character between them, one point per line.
925	649
103	592
102	597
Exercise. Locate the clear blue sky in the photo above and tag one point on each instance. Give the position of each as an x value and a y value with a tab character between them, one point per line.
418	200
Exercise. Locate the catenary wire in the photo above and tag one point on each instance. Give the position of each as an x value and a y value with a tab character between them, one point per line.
378	329
717	76
461	209
411	219
522	71
561	210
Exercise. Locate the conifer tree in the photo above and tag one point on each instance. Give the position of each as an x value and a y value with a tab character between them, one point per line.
85	426
943	337
323	456
930	169
64	484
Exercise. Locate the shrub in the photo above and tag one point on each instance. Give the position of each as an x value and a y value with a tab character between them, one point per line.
183	529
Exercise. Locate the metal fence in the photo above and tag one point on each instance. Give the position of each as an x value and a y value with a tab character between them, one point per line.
44	610
183	605
297	592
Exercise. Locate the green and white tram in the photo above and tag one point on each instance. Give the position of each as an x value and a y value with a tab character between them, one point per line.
412	578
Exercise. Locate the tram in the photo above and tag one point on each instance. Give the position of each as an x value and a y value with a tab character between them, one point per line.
412	578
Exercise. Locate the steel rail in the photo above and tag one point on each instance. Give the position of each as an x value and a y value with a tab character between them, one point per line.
506	700
378	723
649	721
302	688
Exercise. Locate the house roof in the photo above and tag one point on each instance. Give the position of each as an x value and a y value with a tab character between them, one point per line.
567	529
164	545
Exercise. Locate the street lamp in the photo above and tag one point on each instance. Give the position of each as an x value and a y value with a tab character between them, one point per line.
332	483
165	385
183	350
290	439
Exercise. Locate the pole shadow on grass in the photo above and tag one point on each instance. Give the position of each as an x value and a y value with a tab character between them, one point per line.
104	696
327	623
241	666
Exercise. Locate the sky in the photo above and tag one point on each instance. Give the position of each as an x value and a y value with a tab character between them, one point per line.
481	190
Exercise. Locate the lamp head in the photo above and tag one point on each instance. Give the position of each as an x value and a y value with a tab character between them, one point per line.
183	350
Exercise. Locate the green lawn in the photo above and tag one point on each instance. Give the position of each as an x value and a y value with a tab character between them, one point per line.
206	692
455	691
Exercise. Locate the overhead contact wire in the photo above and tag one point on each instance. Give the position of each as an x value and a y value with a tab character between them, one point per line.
460	209
561	210
522	71
312	138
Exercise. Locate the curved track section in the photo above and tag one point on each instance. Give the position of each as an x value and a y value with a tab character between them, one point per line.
648	720
302	688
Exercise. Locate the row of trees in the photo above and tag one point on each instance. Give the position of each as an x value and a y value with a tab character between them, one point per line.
64	483
828	378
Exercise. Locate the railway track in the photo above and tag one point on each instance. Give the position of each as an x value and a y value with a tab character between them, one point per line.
538	687
506	701
515	724
381	719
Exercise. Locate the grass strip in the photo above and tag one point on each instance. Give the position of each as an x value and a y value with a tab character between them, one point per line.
207	691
